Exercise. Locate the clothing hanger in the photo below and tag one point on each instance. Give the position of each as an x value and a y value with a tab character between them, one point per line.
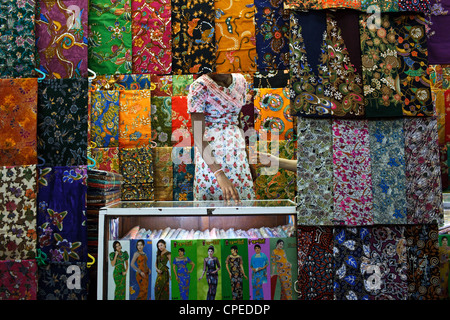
89	264
42	73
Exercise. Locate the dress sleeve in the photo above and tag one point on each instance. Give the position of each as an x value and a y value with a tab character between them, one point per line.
196	97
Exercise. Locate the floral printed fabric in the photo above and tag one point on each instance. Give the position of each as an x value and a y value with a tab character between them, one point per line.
387	154
63	122
106	159
18	280
181	123
55	277
181	84
62	38
438	38
423	181
423	262
163	173
352	179
272	35
414	5
18	188
379	6
162	121
110	38
273	120
104	117
18	110
315	263
61	215
314	172
235	36
162	86
152	32
183	173
134	118
193	41
17	42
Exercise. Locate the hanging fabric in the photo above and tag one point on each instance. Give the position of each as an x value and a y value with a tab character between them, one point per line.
106	159
163	174
18	279
104	118
183	173
162	121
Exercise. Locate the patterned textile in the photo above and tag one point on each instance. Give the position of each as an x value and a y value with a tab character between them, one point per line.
380	66
272	35
181	84
152	32
106	159
379	6
110	38
303	4
18	280
271	79
134	118
414	5
61	217
18	121
235	36
350	252
17	41
161	86
63	121
387	154
386	270
423	262
413	58
18	188
63	281
181	122
163	169
162	121
314	172
62	38
183	173
193	42
438	38
274	182
315	263
352	181
104	117
342	4
423	176
273	121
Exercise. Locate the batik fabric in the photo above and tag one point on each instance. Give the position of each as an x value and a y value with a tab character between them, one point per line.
104	118
18	279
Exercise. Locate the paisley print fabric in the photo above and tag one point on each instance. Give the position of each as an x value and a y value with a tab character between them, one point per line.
423	262
314	172
134	118
104	117
272	35
352	180
18	280
387	154
235	36
62	38
152	36
386	270
110	37
350	253
63	122
315	263
423	181
18	121
193	41
61	215
18	39
18	188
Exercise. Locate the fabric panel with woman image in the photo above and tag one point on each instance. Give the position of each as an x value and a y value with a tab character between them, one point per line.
119	260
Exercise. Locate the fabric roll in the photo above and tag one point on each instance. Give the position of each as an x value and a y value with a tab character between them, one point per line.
18	279
62	38
110	37
315	263
62	129
104	118
18	125
387	154
314	172
61	215
18	205
352	179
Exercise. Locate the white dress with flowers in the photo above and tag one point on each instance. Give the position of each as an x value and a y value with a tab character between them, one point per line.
221	107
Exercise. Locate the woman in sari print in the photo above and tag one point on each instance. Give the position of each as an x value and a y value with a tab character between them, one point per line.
142	269
163	277
119	260
281	269
211	267
258	263
237	273
222	171
182	272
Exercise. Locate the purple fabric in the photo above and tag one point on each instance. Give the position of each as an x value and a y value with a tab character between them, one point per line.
438	35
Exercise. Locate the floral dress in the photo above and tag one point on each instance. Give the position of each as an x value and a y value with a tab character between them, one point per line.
221	106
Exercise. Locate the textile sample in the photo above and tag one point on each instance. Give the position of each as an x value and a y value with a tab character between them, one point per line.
18	121
18	208
162	86
63	121
183	173
62	38
181	123
163	174
438	38
104	118
18	280
162	121
181	84
61	217
106	159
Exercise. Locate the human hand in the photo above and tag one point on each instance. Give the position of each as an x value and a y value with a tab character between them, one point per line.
228	189
266	159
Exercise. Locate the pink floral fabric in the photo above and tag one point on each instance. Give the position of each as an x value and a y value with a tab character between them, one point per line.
352	184
18	279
